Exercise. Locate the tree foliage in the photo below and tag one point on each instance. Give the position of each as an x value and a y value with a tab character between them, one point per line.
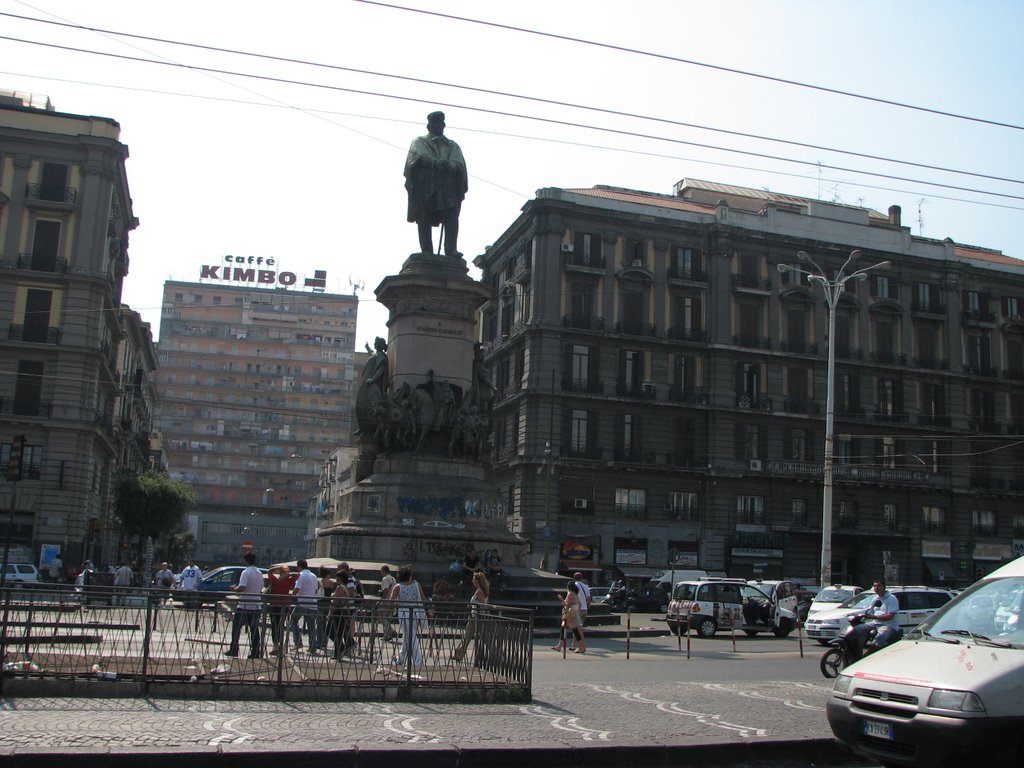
151	504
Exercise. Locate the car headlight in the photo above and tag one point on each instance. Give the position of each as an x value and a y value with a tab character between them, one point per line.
842	685
957	701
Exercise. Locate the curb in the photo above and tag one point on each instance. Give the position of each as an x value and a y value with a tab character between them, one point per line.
750	754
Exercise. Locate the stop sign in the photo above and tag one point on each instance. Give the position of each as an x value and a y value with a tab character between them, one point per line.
247	546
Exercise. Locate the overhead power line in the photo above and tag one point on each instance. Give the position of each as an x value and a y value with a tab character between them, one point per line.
692	62
508	94
470	108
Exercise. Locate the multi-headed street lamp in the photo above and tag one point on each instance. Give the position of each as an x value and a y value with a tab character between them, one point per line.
832	288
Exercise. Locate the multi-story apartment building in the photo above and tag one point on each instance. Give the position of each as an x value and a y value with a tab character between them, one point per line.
662	387
254	393
66	357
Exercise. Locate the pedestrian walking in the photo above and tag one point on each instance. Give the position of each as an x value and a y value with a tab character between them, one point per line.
386	609
304	614
481	594
583	595
249	610
282	582
571	619
163	580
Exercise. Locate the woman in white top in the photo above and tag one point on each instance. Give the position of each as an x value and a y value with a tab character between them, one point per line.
408	594
480	596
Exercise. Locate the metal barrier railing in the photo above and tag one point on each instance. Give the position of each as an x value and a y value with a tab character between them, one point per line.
146	636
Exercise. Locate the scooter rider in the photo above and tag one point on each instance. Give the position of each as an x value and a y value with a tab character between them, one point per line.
881	616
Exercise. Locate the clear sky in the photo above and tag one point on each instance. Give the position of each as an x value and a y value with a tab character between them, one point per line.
309	171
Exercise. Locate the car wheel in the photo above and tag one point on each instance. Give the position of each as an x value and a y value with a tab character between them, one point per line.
831	662
750	632
784	628
706	627
663	608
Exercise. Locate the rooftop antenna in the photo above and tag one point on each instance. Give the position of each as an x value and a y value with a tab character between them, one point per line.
920	216
355	285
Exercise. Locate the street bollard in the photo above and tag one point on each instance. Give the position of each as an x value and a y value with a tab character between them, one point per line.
688	628
629	630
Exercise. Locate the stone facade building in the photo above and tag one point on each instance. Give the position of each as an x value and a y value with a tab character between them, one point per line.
662	388
76	363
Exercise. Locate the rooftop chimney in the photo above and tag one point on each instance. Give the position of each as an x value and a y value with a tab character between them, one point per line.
894	215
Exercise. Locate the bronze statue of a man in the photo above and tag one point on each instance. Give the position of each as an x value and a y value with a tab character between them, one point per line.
436	180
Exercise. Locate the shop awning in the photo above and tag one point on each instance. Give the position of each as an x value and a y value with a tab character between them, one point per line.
578	565
639	571
944	570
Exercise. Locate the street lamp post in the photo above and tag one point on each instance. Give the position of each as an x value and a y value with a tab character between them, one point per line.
832	288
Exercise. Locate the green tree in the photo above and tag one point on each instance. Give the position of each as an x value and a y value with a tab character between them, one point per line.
151	504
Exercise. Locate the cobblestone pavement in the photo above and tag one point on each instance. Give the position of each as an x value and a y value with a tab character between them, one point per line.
568	714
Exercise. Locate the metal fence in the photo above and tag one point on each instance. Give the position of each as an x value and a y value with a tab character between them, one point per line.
199	644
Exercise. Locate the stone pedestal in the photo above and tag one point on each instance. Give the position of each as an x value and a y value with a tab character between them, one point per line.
419	504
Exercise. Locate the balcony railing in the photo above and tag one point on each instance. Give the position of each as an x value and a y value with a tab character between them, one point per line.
932	420
755	342
810	407
757	282
631	511
1013	374
644	391
691	395
636	329
982	370
585	322
981	424
582	260
799	347
22	407
928	361
692	274
889	358
933	526
35	336
928	306
688	334
42	263
570	451
978	316
849	353
51	193
590	386
760	403
890	417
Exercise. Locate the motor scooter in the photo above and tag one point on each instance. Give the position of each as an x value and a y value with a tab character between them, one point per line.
843	650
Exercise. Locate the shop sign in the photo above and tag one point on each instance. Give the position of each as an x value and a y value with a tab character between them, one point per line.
258	271
631	557
932	548
756	552
575	550
1018	547
992	551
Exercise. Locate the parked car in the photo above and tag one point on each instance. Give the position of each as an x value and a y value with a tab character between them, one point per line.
641	600
598	594
216	583
916	603
949	692
766	606
21	573
833	596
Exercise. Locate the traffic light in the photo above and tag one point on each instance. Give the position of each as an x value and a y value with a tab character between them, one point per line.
15	459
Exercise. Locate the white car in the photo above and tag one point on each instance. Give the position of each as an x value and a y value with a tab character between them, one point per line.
949	692
21	573
832	597
916	604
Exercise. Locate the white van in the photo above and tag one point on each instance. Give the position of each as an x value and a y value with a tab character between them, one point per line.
949	692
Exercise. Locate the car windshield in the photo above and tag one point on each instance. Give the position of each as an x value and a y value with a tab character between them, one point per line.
833	595
685	592
863	600
988	613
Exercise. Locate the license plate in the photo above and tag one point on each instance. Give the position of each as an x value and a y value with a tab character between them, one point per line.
878	730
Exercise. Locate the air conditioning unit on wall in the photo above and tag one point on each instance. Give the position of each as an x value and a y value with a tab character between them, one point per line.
755	465
567	248
581	503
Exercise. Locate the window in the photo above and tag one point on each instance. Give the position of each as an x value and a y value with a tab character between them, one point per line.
1012	308
983	522
972	301
28	388
686	374
888	450
926	297
683	505
1018	524
631	502
885	340
847	394
685	315
796	329
933	401
796	444
632	372
749	384
626	436
798	511
976	352
31	460
578	435
889	518
749	441
683	263
580	366
933	520
842	450
883	288
45	245
750	510
587	249
36	326
53	182
633	311
749	323
846	514
889	398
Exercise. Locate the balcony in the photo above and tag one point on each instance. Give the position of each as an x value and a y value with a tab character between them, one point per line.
849	353
688	334
631	511
643	391
754	342
928	307
977	316
47	193
632	455
981	370
589	386
1014	374
584	322
889	417
889	358
810	407
930	362
33	335
42	263
584	261
984	424
689	395
985	530
799	347
25	407
751	282
686	458
933	526
691	275
932	420
522	268
633	328
748	403
591	452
